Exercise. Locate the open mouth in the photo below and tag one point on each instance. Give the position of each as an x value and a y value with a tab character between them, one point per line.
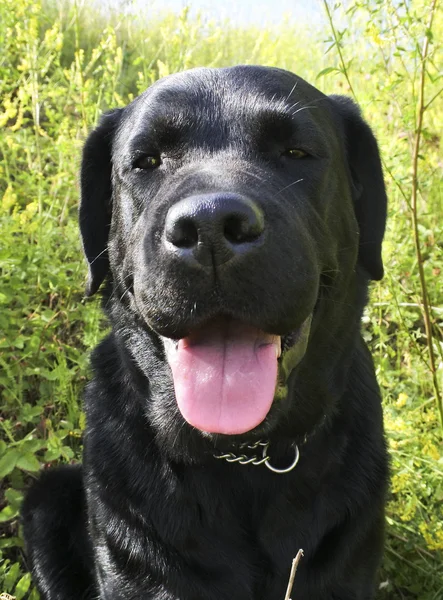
225	373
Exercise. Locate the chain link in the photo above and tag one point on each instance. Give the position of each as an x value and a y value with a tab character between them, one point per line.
244	459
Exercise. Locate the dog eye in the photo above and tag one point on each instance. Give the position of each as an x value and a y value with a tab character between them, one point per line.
294	153
146	162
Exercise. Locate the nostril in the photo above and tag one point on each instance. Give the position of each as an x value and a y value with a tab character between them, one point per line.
241	229
182	233
211	229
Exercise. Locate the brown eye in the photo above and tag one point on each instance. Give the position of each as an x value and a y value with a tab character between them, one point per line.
295	153
147	162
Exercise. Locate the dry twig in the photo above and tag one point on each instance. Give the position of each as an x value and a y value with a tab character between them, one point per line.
292	575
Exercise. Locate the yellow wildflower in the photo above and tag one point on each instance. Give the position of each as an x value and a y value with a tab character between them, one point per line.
9	198
401	400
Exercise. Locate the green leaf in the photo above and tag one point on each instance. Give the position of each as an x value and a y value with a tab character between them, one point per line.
28	412
14	497
28	462
22	586
19	342
34	595
82	421
429	35
52	454
8	513
326	71
68	453
11	576
50	375
33	445
8	462
12	542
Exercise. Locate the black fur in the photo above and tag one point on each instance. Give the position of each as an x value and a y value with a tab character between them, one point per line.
151	513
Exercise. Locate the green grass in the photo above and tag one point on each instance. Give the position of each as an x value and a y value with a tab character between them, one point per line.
60	66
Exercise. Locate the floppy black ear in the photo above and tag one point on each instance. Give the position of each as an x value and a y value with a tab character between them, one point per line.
96	192
369	194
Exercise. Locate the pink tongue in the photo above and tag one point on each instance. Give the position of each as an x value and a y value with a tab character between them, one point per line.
225	376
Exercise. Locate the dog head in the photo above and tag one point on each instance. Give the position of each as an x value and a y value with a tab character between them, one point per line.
238	214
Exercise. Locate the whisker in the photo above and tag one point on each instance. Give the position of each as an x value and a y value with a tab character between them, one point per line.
288	186
290	93
99	255
308	106
303	108
294	105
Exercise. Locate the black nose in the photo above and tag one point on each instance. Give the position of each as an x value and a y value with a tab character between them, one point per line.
213	228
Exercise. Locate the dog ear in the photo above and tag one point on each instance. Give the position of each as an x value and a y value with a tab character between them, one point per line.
370	199
96	195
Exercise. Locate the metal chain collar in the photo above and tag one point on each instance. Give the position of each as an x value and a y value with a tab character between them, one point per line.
256	460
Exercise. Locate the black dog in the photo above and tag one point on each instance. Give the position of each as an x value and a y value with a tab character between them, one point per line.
236	216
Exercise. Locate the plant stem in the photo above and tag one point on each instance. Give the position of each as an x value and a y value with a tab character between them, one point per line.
337	43
414	212
79	67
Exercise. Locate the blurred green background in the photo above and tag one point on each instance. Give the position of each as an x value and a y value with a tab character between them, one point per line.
61	64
